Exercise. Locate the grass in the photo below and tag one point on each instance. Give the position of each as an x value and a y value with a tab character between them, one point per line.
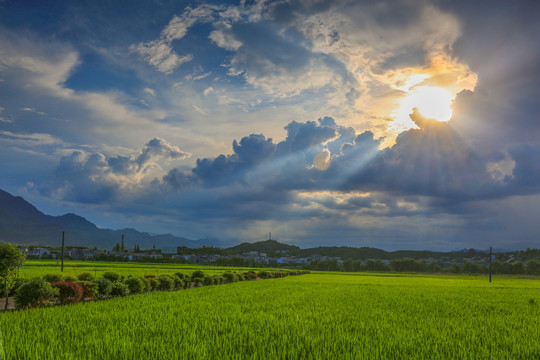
318	316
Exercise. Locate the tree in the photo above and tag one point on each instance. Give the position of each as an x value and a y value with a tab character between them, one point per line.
11	259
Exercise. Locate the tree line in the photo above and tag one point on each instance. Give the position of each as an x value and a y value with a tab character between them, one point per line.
531	267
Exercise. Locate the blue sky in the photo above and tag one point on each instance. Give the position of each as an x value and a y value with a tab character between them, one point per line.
398	125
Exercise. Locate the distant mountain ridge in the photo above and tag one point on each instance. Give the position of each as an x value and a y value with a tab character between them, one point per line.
22	223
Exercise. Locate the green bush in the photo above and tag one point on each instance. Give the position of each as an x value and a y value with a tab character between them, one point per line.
208	280
250	275
181	275
90	289
147	285
69	278
35	293
85	276
197	274
178	282
16	284
68	292
198	281
187	283
104	286
52	278
112	276
265	275
154	284
165	283
119	289
136	285
230	277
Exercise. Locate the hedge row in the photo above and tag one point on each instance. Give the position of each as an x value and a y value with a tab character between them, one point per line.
53	289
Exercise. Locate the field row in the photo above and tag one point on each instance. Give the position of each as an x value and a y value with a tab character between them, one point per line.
33	268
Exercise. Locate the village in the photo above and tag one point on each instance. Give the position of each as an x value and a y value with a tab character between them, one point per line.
280	257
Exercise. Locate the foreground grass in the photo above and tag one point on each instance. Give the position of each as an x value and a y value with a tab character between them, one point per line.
321	316
38	268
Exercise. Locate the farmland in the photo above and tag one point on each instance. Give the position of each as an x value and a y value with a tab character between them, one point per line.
34	268
316	316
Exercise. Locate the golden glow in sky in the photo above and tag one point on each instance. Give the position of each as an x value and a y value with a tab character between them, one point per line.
432	102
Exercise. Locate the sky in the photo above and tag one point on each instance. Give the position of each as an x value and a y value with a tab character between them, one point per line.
389	124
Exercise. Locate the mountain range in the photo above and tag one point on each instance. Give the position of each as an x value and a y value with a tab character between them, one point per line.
23	224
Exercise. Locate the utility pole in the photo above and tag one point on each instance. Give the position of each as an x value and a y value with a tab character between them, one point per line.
62	268
490	257
122	248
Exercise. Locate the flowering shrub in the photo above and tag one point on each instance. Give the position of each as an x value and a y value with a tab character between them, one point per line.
68	292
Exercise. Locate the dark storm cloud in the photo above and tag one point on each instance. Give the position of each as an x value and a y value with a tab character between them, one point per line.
81	178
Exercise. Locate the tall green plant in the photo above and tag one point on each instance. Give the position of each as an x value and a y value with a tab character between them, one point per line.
11	259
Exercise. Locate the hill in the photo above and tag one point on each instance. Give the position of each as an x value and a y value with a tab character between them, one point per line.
267	246
22	223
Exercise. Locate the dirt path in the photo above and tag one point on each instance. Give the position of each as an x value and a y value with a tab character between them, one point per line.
11	303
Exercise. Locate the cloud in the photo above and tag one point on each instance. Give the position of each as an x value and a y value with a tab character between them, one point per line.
91	177
150	91
159	53
155	149
82	178
29	140
33	110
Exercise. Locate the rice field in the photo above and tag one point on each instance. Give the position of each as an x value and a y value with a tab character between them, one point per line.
33	268
316	316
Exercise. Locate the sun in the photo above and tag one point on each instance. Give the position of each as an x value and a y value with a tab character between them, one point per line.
432	102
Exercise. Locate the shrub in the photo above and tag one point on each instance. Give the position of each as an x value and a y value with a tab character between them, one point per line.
147	285
112	276
187	283
181	275
90	289
36	292
265	275
68	292
16	284
198	281
250	275
154	284
178	282
104	286
149	276
166	283
85	276
135	285
230	277
70	279
197	274
119	289
208	280
52	278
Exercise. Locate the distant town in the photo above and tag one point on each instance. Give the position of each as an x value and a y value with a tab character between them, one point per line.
271	253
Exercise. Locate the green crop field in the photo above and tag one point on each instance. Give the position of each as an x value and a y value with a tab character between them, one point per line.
34	268
317	316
